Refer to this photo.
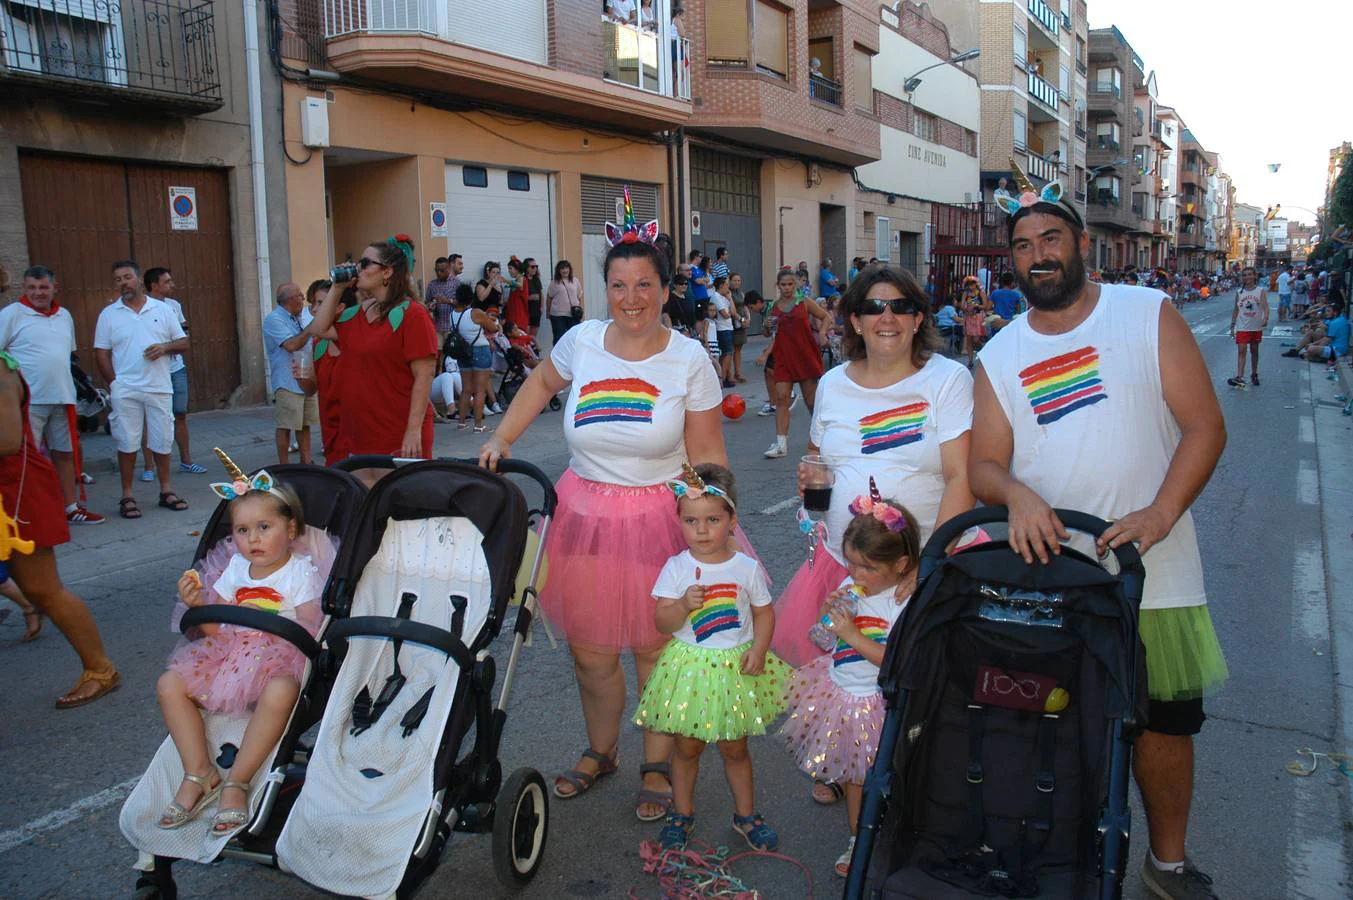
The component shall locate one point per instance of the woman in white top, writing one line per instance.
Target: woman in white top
(725, 321)
(476, 326)
(642, 400)
(898, 412)
(564, 295)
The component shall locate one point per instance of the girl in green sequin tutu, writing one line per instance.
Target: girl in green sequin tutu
(717, 681)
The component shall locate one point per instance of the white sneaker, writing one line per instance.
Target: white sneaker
(775, 451)
(767, 409)
(793, 399)
(497, 409)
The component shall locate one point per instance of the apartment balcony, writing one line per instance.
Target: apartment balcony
(639, 83)
(1193, 177)
(1105, 98)
(1041, 169)
(156, 54)
(1186, 241)
(1048, 20)
(1158, 130)
(824, 90)
(1081, 68)
(1043, 92)
(1106, 210)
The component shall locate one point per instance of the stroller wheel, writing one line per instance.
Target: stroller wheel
(555, 404)
(521, 821)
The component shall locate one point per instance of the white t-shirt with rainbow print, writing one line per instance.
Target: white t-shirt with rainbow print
(625, 422)
(875, 616)
(732, 588)
(279, 593)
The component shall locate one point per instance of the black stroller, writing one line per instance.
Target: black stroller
(1013, 693)
(515, 376)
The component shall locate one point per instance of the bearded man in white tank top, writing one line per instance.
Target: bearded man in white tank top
(1091, 402)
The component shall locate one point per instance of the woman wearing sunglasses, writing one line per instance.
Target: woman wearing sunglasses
(389, 355)
(897, 412)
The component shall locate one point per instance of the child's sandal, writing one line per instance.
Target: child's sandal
(176, 816)
(843, 861)
(827, 792)
(227, 820)
(758, 834)
(676, 832)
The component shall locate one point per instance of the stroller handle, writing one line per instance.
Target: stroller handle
(505, 467)
(271, 623)
(1129, 560)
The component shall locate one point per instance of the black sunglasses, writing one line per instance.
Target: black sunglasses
(364, 263)
(876, 306)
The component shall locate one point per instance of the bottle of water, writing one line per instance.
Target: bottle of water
(821, 633)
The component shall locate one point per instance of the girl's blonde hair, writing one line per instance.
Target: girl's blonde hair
(875, 541)
(288, 506)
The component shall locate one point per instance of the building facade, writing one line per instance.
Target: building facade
(928, 138)
(1194, 217)
(1114, 219)
(1246, 222)
(143, 108)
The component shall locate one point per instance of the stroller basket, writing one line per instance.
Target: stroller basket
(1012, 692)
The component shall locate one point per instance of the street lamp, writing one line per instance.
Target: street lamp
(1100, 170)
(912, 83)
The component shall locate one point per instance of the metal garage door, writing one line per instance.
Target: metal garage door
(494, 214)
(83, 214)
(726, 191)
(602, 203)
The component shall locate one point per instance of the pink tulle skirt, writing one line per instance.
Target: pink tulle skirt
(831, 733)
(800, 606)
(606, 545)
(226, 672)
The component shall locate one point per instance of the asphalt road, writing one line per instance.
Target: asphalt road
(1274, 575)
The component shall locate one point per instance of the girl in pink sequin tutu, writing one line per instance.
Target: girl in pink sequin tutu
(236, 670)
(836, 710)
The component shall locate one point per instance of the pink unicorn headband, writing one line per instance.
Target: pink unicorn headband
(627, 232)
(690, 484)
(1030, 196)
(874, 505)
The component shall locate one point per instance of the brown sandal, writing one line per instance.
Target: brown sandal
(32, 625)
(127, 508)
(582, 782)
(108, 680)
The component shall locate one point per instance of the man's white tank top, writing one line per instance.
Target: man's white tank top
(1091, 428)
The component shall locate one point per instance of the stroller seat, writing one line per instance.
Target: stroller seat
(386, 716)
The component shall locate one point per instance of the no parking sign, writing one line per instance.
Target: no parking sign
(182, 209)
(437, 218)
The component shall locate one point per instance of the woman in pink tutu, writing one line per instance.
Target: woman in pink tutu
(896, 412)
(835, 707)
(642, 400)
(234, 670)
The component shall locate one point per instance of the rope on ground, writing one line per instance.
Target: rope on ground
(1340, 761)
(701, 872)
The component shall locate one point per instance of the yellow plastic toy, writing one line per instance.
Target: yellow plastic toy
(9, 536)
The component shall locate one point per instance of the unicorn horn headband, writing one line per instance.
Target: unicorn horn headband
(241, 484)
(874, 505)
(691, 485)
(1029, 196)
(627, 232)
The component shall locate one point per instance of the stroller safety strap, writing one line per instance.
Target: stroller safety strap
(365, 712)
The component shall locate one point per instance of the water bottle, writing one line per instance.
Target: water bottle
(821, 633)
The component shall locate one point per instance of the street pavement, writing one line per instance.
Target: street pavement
(1273, 525)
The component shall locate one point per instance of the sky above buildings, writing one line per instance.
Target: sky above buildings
(1260, 83)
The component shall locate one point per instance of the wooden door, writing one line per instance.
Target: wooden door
(83, 214)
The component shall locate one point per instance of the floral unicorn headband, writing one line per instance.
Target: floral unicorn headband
(241, 484)
(1029, 196)
(627, 232)
(874, 505)
(691, 485)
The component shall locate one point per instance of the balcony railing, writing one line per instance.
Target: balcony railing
(163, 50)
(1038, 167)
(1104, 142)
(1157, 130)
(1106, 197)
(824, 89)
(1080, 130)
(1081, 67)
(630, 56)
(1080, 196)
(351, 16)
(1106, 87)
(1042, 91)
(1044, 15)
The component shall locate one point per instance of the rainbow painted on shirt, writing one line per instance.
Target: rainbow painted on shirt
(872, 627)
(1061, 385)
(264, 599)
(895, 427)
(615, 400)
(719, 613)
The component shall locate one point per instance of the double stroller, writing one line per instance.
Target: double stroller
(399, 673)
(1013, 693)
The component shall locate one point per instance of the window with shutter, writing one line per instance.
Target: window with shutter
(772, 38)
(727, 32)
(863, 76)
(600, 196)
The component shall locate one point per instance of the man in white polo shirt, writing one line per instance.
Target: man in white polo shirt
(40, 334)
(160, 286)
(132, 342)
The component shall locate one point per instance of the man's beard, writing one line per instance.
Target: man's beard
(1056, 292)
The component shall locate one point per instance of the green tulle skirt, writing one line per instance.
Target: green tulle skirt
(702, 693)
(1183, 658)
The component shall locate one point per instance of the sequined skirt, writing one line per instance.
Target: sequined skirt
(702, 693)
(831, 733)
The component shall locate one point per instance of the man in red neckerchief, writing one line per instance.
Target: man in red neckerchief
(40, 334)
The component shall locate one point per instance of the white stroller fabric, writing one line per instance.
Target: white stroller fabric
(366, 797)
(141, 812)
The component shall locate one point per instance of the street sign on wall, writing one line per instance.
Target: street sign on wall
(182, 209)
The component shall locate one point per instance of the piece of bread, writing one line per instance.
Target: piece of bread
(192, 575)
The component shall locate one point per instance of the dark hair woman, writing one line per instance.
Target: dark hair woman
(794, 355)
(488, 290)
(535, 293)
(517, 310)
(389, 356)
(564, 300)
(642, 400)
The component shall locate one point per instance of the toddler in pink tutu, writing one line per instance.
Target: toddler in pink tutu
(716, 680)
(236, 670)
(836, 708)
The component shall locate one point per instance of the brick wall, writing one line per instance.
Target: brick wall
(919, 25)
(302, 31)
(895, 113)
(575, 36)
